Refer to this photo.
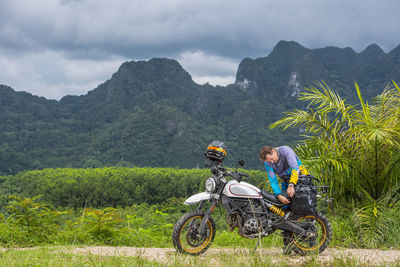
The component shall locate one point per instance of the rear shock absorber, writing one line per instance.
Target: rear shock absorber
(276, 210)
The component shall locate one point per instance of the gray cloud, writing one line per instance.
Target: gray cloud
(197, 33)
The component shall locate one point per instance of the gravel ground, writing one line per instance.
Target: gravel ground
(164, 255)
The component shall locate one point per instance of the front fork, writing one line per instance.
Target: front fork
(207, 215)
(214, 199)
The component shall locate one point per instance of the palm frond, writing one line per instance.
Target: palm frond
(364, 105)
(353, 144)
(312, 122)
(372, 223)
(327, 101)
(355, 149)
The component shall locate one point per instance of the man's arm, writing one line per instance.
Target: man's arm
(273, 180)
(294, 166)
(292, 162)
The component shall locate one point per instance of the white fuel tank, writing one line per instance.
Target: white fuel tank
(242, 189)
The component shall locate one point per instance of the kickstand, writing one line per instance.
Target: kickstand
(258, 242)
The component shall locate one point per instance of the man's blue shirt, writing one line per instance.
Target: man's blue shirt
(288, 161)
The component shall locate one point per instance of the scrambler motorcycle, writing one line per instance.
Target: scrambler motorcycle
(255, 212)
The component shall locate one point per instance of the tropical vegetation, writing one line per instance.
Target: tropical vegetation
(355, 149)
(74, 171)
(122, 207)
(29, 222)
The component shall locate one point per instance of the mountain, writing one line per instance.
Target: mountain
(290, 67)
(151, 113)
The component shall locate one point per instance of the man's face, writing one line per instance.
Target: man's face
(272, 158)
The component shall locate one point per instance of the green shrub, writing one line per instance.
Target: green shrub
(31, 222)
(108, 187)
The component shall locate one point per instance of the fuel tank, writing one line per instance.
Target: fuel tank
(241, 190)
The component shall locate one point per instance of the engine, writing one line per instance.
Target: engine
(252, 223)
(251, 226)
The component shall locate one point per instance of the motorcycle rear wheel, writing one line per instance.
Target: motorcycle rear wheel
(186, 237)
(319, 225)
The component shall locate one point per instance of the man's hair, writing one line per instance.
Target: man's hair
(264, 151)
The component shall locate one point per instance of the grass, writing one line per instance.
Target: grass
(59, 256)
(65, 256)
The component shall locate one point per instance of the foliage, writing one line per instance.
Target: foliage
(67, 256)
(355, 150)
(108, 187)
(151, 113)
(373, 222)
(101, 224)
(33, 219)
(72, 256)
(144, 225)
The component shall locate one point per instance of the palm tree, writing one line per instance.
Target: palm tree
(355, 148)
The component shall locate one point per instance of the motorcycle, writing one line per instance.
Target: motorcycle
(255, 212)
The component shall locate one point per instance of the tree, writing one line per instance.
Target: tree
(355, 148)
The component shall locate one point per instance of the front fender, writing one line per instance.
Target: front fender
(197, 198)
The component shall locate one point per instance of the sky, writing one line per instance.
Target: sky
(54, 48)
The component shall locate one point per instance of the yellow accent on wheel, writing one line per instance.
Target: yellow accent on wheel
(202, 245)
(324, 233)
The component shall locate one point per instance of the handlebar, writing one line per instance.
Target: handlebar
(245, 175)
(236, 175)
(218, 170)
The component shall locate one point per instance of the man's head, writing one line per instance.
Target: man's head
(269, 154)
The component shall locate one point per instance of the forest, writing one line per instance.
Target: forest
(152, 114)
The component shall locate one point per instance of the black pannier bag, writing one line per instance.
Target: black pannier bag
(304, 201)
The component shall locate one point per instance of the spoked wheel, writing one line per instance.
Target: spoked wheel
(316, 238)
(186, 236)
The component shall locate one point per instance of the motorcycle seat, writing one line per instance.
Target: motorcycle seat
(271, 197)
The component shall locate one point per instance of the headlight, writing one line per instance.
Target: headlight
(210, 185)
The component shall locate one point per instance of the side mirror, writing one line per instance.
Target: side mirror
(241, 162)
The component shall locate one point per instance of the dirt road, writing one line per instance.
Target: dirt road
(166, 255)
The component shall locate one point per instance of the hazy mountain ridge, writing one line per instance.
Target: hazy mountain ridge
(339, 68)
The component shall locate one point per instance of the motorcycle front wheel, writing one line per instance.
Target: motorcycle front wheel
(321, 234)
(186, 236)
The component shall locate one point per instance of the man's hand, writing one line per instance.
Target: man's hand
(290, 190)
(283, 199)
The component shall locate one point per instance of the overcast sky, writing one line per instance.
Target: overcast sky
(53, 48)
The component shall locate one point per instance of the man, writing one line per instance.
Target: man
(282, 161)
